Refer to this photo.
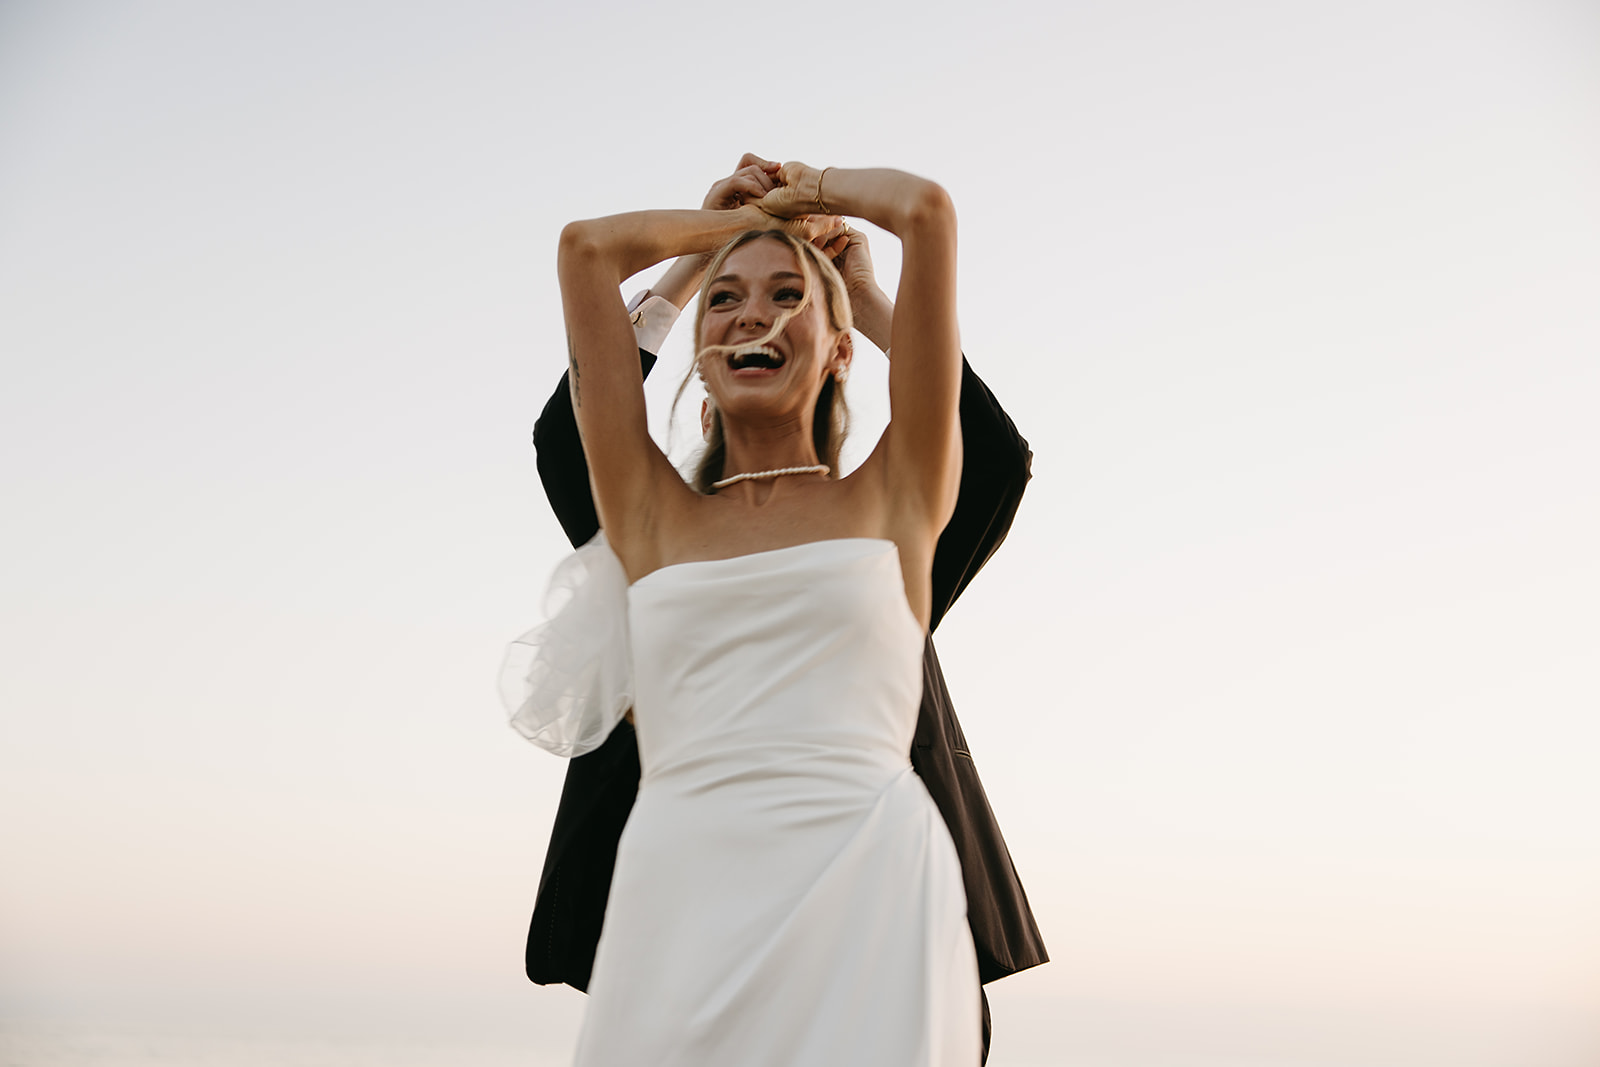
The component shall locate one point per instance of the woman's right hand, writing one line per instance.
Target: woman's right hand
(751, 180)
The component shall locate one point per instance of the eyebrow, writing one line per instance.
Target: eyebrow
(775, 275)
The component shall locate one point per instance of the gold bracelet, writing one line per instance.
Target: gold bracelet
(820, 202)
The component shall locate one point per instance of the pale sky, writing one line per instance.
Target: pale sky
(1284, 687)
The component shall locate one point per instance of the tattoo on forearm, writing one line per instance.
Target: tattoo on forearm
(572, 372)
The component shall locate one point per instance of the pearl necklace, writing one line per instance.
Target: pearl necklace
(820, 468)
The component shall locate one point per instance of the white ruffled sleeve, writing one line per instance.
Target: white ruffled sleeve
(568, 682)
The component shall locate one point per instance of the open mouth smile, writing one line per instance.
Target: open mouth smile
(756, 359)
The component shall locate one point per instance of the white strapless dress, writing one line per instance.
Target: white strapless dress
(785, 890)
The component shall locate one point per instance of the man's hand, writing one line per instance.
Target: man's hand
(869, 305)
(847, 247)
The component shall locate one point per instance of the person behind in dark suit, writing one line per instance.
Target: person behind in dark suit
(599, 789)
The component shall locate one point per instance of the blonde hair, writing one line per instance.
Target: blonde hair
(830, 419)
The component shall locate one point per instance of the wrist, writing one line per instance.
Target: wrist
(870, 300)
(874, 316)
(681, 280)
(822, 205)
(751, 217)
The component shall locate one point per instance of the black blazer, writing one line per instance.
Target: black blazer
(600, 786)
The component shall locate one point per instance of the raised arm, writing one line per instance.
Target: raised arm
(919, 456)
(628, 472)
(995, 460)
(563, 471)
(562, 467)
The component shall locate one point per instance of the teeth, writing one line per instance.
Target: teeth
(762, 355)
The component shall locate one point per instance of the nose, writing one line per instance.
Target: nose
(754, 314)
(758, 311)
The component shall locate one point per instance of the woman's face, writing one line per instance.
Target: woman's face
(758, 282)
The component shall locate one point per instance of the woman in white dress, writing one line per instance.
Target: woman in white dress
(785, 891)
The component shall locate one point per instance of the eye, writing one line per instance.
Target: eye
(720, 297)
(788, 293)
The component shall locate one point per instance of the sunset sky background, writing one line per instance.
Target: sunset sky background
(1284, 686)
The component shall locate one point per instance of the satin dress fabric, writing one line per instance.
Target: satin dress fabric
(786, 892)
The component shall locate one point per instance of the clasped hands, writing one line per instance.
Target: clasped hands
(789, 196)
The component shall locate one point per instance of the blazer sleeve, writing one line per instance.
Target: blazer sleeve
(995, 467)
(562, 466)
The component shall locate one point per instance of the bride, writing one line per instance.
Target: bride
(785, 890)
